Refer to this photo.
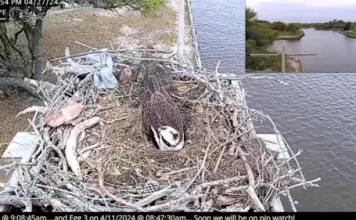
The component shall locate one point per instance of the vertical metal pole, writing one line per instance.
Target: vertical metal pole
(180, 40)
(283, 59)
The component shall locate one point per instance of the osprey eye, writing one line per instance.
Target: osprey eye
(175, 136)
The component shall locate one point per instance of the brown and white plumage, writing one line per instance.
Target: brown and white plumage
(162, 120)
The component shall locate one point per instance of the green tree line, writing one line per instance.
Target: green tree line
(259, 35)
(333, 25)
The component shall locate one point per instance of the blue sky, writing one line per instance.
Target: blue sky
(304, 10)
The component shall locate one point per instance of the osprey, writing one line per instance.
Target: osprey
(161, 117)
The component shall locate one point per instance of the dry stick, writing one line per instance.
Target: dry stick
(154, 196)
(290, 173)
(13, 200)
(201, 80)
(178, 171)
(292, 203)
(231, 139)
(311, 182)
(63, 142)
(117, 199)
(152, 59)
(200, 169)
(115, 120)
(174, 204)
(40, 109)
(250, 190)
(198, 102)
(99, 51)
(218, 81)
(93, 48)
(200, 187)
(57, 189)
(291, 158)
(14, 164)
(94, 146)
(70, 150)
(219, 159)
(59, 152)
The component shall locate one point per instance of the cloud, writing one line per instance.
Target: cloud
(303, 11)
(308, 3)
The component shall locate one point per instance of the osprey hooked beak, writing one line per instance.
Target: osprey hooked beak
(168, 138)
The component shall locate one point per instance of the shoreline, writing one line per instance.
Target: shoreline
(346, 34)
(338, 31)
(291, 37)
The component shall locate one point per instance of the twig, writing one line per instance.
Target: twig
(154, 196)
(231, 139)
(117, 199)
(200, 187)
(200, 169)
(40, 109)
(308, 183)
(15, 164)
(84, 150)
(174, 204)
(115, 120)
(178, 171)
(220, 156)
(250, 190)
(92, 48)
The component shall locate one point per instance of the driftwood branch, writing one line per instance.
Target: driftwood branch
(70, 150)
(31, 109)
(250, 190)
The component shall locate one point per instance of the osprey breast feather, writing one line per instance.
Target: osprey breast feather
(162, 120)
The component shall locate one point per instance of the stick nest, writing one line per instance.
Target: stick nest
(101, 160)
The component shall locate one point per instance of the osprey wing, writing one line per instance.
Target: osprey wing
(158, 107)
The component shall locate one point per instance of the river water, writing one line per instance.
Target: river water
(336, 53)
(315, 112)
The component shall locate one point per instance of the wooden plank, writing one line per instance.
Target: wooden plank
(20, 144)
(283, 59)
(277, 205)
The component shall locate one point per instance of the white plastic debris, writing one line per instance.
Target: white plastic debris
(99, 63)
(104, 78)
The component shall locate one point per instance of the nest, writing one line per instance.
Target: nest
(100, 159)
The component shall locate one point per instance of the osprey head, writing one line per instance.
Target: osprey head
(168, 138)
